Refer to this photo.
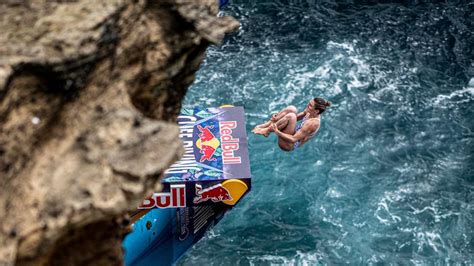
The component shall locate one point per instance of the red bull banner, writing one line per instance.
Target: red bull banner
(212, 176)
(215, 166)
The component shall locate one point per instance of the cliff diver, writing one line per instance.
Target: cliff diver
(284, 124)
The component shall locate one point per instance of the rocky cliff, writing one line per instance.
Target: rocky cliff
(89, 91)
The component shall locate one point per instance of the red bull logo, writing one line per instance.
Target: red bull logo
(207, 152)
(216, 193)
(176, 198)
(229, 143)
(207, 143)
(206, 134)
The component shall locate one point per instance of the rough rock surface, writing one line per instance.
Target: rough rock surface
(89, 91)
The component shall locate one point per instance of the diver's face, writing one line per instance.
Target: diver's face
(310, 106)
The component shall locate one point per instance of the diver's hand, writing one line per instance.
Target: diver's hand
(275, 129)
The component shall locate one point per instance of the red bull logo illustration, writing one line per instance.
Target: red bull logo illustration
(207, 143)
(229, 143)
(207, 152)
(206, 134)
(216, 193)
(176, 198)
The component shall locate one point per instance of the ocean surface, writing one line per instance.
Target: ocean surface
(389, 177)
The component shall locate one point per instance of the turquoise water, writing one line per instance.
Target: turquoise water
(389, 177)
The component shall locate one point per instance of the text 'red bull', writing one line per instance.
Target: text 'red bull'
(229, 144)
(216, 193)
(176, 198)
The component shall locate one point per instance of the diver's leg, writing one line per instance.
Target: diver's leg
(290, 128)
(285, 124)
(288, 110)
(277, 116)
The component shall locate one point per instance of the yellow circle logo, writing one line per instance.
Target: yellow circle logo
(236, 188)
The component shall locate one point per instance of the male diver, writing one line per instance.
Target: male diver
(292, 135)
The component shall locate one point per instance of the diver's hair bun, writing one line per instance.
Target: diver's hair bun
(321, 104)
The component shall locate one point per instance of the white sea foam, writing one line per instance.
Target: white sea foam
(431, 239)
(301, 258)
(346, 46)
(318, 163)
(471, 83)
(383, 213)
(333, 193)
(463, 95)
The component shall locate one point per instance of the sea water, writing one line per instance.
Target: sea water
(389, 177)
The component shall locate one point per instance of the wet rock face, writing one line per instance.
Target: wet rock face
(89, 91)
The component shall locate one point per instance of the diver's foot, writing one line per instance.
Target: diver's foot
(261, 131)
